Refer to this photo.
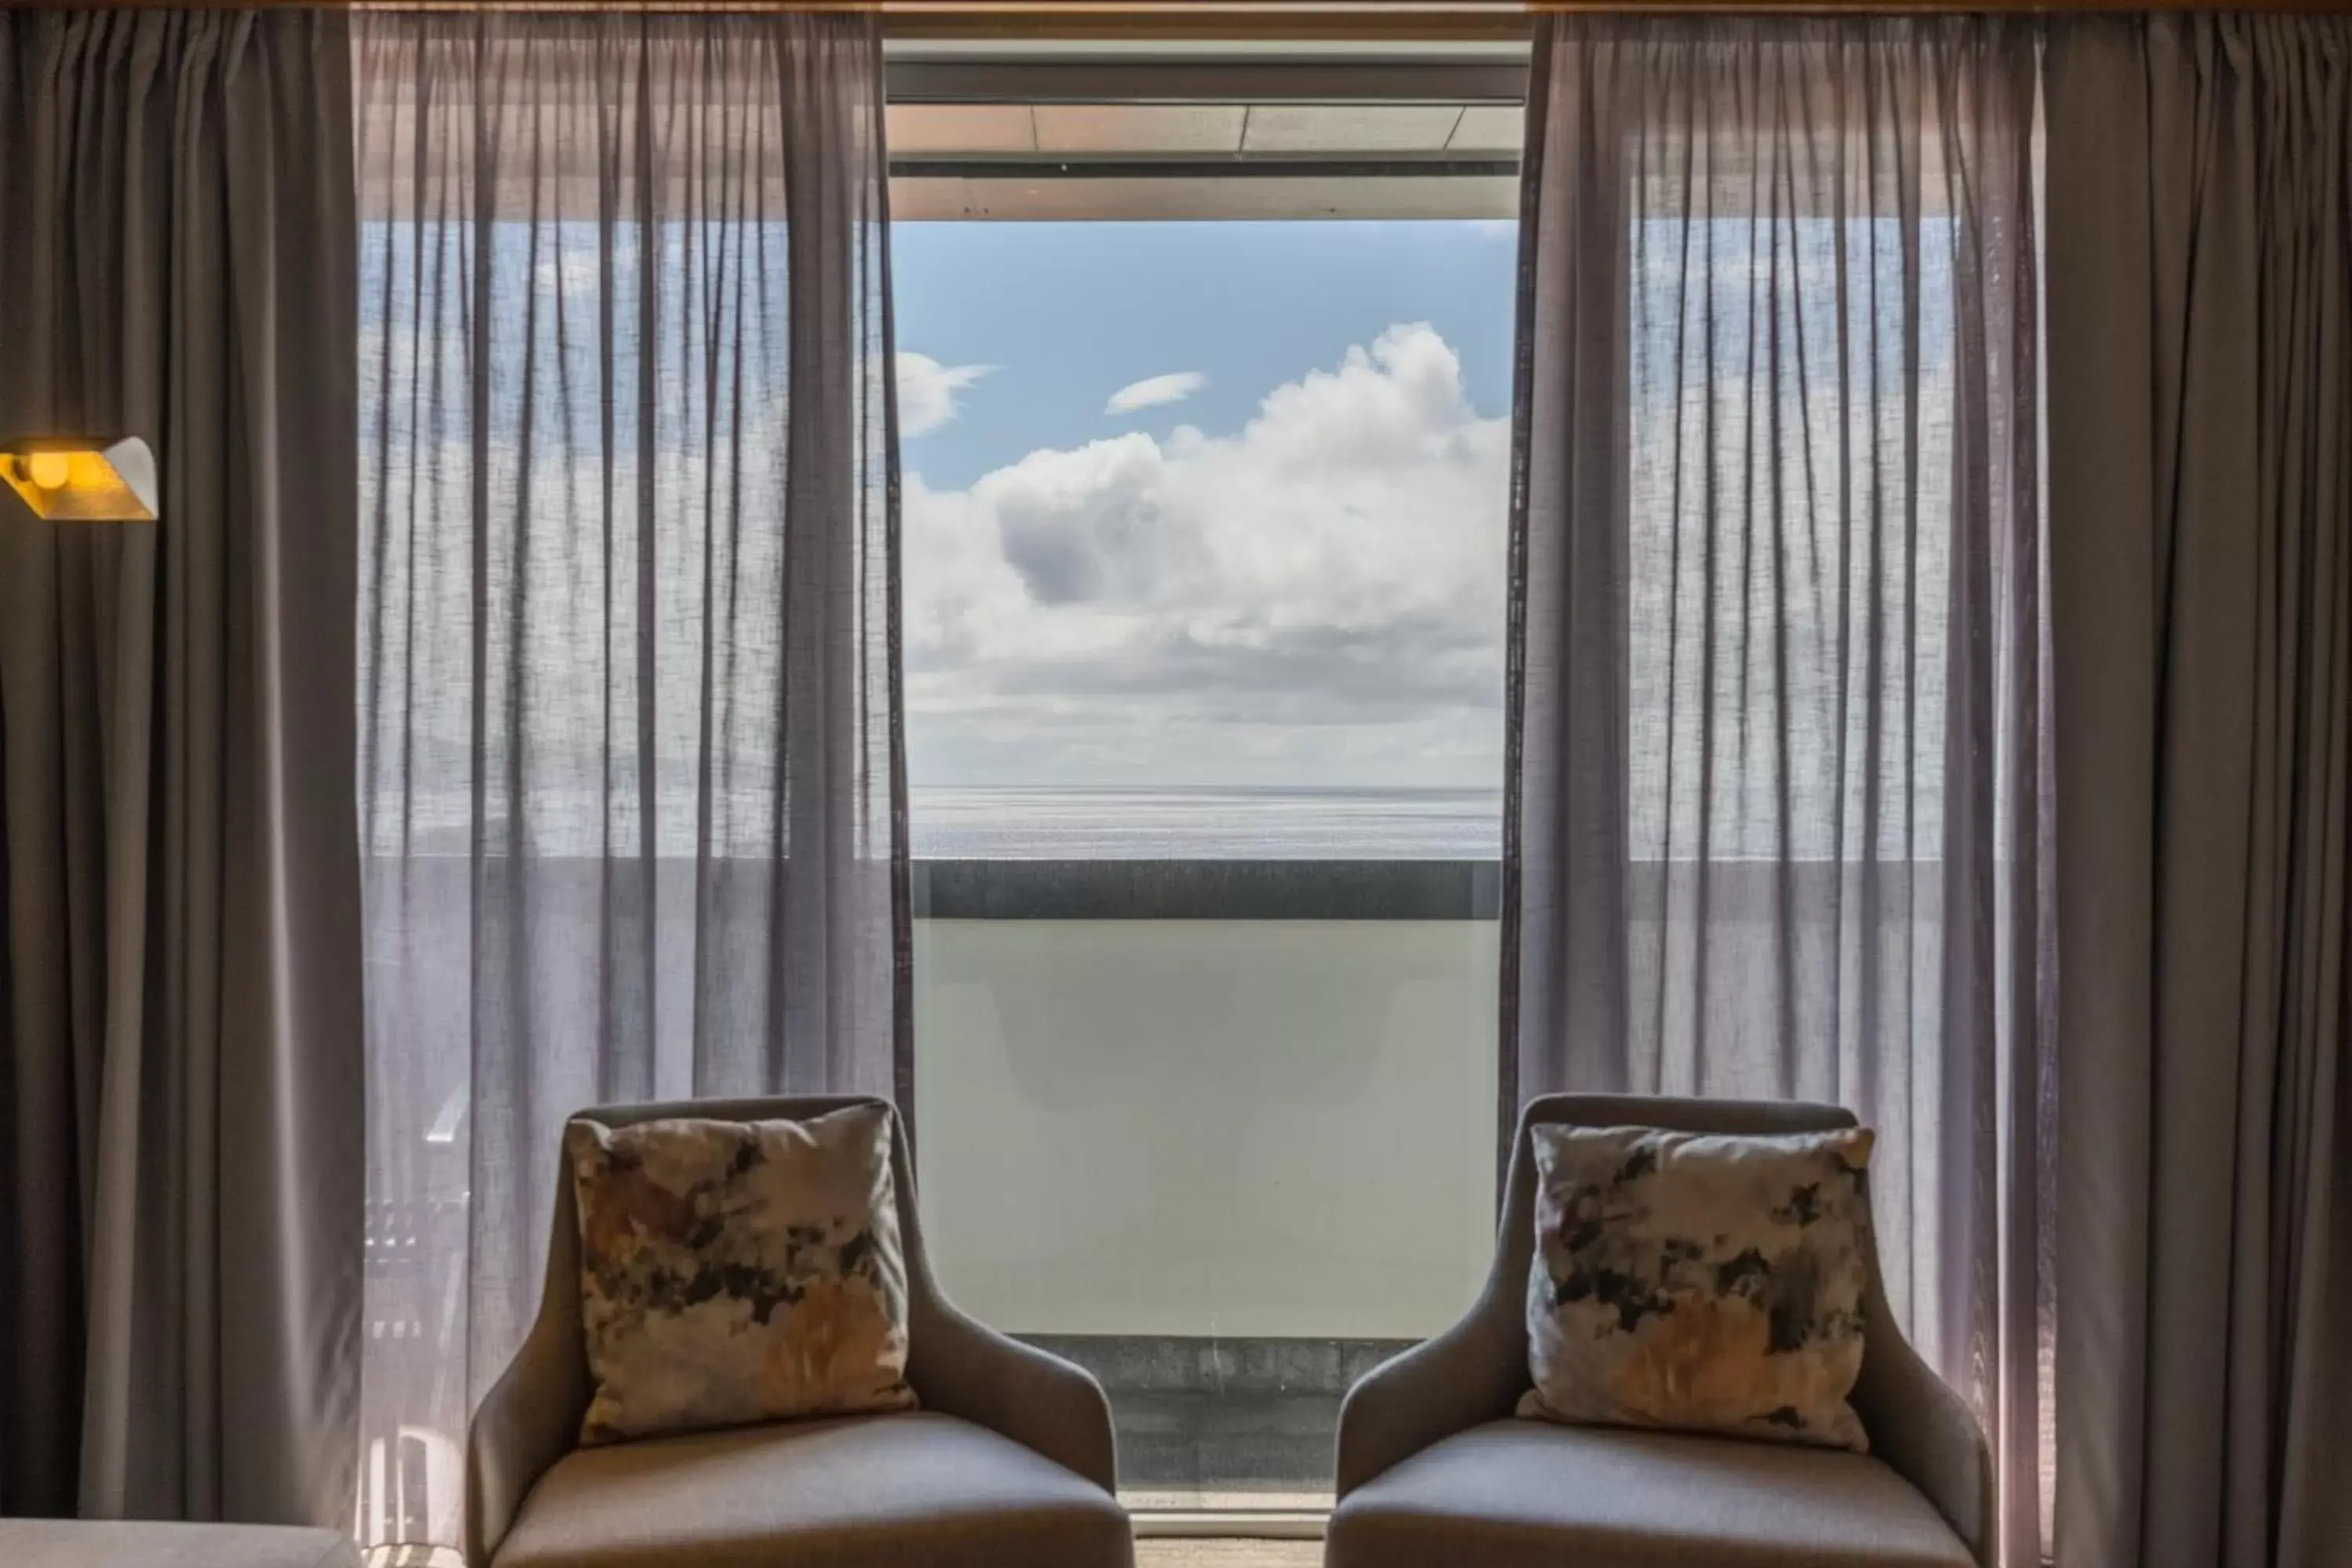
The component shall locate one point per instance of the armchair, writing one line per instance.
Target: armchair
(1009, 1460)
(1433, 1466)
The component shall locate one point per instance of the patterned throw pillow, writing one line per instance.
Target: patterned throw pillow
(733, 1272)
(1708, 1284)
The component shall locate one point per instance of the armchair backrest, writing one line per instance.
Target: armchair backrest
(1503, 1302)
(559, 1299)
(531, 1417)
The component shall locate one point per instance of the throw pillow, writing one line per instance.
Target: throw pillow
(735, 1272)
(1703, 1283)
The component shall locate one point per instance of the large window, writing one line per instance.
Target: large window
(1205, 611)
(1204, 419)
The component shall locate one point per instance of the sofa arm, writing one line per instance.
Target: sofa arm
(962, 1368)
(1928, 1435)
(530, 1419)
(1473, 1373)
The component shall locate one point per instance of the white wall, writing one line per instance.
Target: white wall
(1238, 1128)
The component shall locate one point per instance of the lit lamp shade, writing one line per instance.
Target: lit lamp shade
(82, 478)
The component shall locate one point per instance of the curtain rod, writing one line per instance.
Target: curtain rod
(1264, 20)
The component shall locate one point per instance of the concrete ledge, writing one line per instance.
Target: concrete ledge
(1125, 1363)
(1237, 1420)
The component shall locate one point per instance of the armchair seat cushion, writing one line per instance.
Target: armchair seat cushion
(913, 1491)
(1515, 1494)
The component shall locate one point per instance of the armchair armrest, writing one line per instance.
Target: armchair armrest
(1475, 1371)
(962, 1368)
(530, 1419)
(1928, 1435)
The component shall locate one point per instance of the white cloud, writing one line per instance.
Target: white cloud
(1316, 597)
(1154, 390)
(927, 391)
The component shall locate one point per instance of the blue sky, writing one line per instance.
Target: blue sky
(1289, 571)
(1293, 573)
(1068, 313)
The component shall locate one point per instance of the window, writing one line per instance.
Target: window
(1205, 408)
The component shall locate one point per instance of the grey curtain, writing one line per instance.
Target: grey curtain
(2200, 485)
(180, 1102)
(1777, 811)
(630, 756)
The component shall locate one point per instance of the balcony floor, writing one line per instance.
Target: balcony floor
(1228, 1553)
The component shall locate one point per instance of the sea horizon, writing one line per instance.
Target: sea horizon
(1203, 822)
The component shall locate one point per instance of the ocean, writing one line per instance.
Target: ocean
(1204, 823)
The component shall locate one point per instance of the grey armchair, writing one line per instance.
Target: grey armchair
(1433, 1467)
(1008, 1463)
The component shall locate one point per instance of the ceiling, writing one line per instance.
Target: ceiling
(1253, 133)
(988, 131)
(1079, 198)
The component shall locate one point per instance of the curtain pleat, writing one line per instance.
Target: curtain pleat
(1777, 817)
(631, 764)
(2200, 439)
(179, 1103)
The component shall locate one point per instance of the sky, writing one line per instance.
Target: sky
(1204, 503)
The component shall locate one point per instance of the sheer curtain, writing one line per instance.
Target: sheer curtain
(1777, 819)
(630, 763)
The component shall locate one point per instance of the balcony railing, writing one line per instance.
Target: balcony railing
(1221, 1130)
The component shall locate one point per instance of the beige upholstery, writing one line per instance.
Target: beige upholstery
(1391, 1510)
(92, 1543)
(1513, 1492)
(871, 1491)
(1010, 1461)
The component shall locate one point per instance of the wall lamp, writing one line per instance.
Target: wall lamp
(82, 478)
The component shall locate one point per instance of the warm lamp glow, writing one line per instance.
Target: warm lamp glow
(82, 478)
